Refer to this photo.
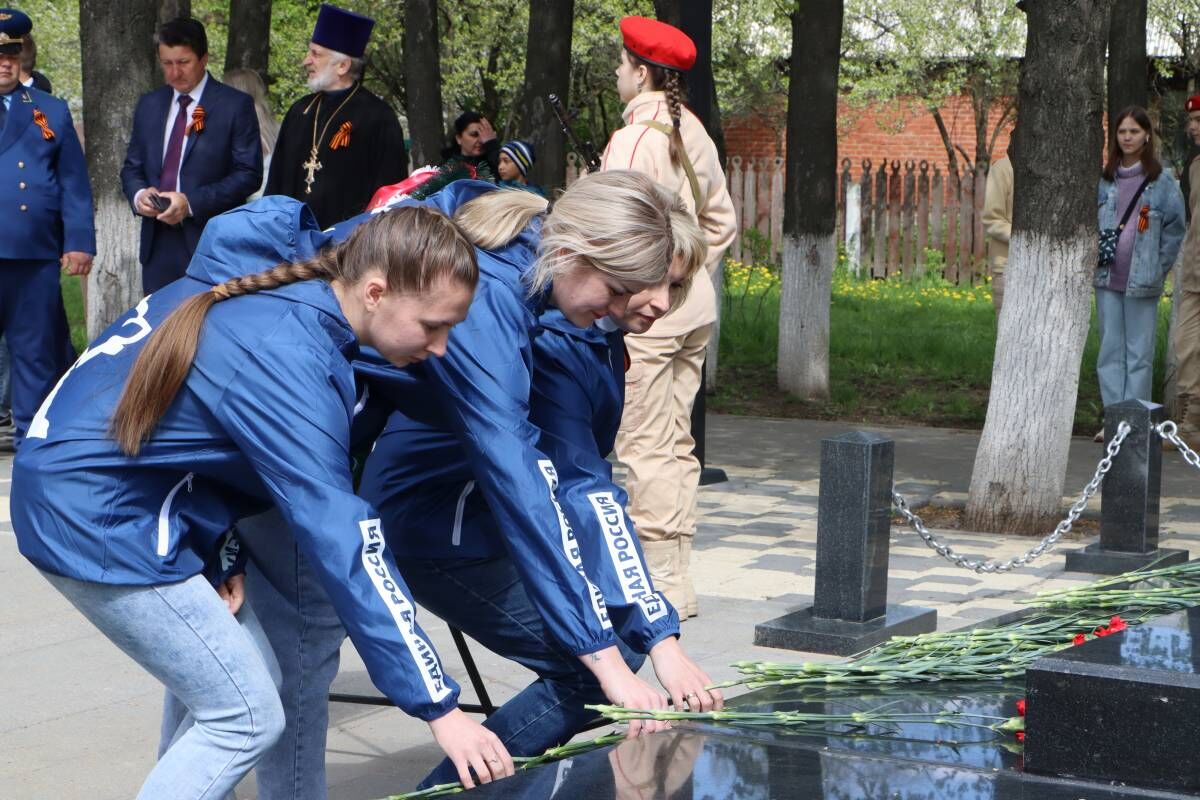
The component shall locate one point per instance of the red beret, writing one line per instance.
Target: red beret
(658, 43)
(1193, 103)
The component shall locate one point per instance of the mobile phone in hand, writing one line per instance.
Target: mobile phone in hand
(159, 202)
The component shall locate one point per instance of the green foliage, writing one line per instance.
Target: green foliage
(929, 50)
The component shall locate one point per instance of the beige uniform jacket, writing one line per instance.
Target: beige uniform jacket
(643, 149)
(997, 211)
(1190, 268)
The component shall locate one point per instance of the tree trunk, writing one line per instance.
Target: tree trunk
(1020, 467)
(115, 74)
(423, 81)
(670, 12)
(249, 43)
(695, 19)
(548, 71)
(1127, 64)
(810, 199)
(170, 9)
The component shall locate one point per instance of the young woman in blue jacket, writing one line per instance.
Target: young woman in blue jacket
(215, 397)
(1127, 289)
(471, 449)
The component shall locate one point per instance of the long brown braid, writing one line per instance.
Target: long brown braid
(669, 82)
(674, 91)
(413, 245)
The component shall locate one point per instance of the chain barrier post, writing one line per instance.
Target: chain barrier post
(850, 611)
(1129, 498)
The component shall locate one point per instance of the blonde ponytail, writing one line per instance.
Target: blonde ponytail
(494, 219)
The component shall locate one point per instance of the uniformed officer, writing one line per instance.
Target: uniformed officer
(46, 205)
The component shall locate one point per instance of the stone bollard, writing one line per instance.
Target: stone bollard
(1129, 498)
(850, 611)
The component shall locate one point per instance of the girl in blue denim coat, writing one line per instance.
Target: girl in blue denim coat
(1128, 287)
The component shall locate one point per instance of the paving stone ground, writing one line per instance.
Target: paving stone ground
(78, 719)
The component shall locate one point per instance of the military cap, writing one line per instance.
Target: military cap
(13, 25)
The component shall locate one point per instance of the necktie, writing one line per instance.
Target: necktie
(3, 113)
(170, 168)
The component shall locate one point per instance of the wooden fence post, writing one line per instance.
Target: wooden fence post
(922, 218)
(734, 179)
(966, 265)
(879, 269)
(908, 219)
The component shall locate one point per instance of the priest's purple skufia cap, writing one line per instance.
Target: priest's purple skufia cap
(342, 30)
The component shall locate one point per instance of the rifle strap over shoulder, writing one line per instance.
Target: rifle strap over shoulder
(664, 128)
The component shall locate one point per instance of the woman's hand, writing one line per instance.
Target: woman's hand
(486, 132)
(470, 746)
(623, 688)
(683, 679)
(233, 592)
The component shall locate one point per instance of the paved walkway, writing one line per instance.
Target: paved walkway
(78, 719)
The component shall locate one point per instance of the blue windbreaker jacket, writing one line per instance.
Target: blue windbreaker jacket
(264, 417)
(460, 456)
(577, 400)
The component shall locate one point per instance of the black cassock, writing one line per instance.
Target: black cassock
(350, 171)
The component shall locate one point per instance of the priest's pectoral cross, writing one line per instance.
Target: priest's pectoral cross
(312, 165)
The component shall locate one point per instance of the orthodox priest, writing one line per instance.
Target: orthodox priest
(339, 144)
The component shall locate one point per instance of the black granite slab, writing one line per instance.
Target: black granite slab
(1129, 498)
(908, 761)
(693, 765)
(1124, 707)
(854, 512)
(803, 630)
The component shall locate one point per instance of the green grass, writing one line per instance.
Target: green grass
(900, 351)
(73, 299)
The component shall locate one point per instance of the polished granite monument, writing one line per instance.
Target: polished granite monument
(920, 760)
(850, 611)
(1125, 707)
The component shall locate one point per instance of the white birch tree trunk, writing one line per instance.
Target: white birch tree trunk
(808, 260)
(1020, 467)
(115, 282)
(121, 64)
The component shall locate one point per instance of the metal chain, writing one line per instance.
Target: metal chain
(989, 566)
(1170, 431)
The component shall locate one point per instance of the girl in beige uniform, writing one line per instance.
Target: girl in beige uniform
(666, 141)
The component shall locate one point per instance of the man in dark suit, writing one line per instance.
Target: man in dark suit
(46, 208)
(194, 153)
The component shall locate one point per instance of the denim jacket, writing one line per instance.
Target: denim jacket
(1156, 247)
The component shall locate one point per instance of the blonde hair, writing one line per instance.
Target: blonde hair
(250, 82)
(414, 246)
(690, 246)
(618, 222)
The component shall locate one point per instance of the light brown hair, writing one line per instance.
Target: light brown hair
(414, 247)
(618, 222)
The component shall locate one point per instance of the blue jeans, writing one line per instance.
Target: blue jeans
(484, 598)
(1128, 334)
(184, 635)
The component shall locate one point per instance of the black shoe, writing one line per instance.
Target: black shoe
(6, 421)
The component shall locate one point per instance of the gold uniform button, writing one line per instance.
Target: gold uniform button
(24, 207)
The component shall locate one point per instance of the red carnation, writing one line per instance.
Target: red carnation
(1021, 707)
(1020, 736)
(1116, 624)
(1079, 639)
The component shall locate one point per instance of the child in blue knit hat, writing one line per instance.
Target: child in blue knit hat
(516, 159)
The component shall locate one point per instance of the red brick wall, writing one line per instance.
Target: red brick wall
(900, 129)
